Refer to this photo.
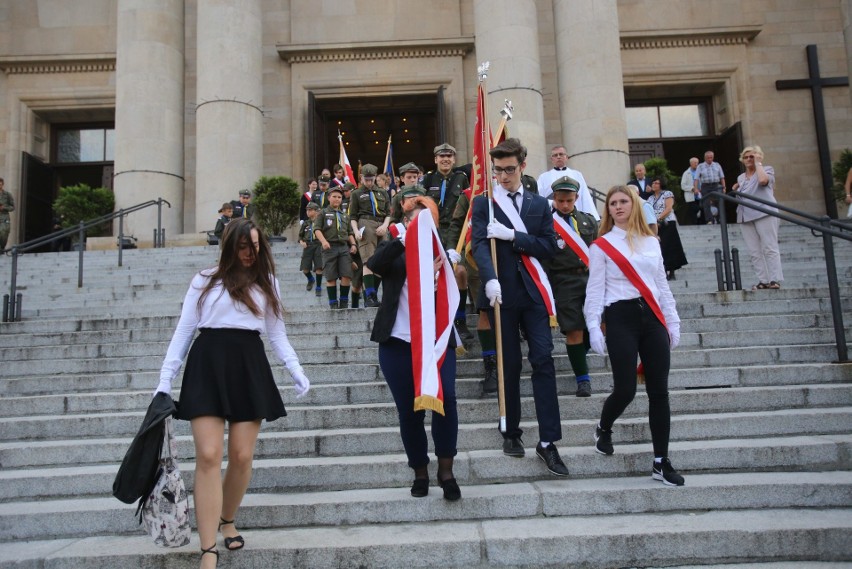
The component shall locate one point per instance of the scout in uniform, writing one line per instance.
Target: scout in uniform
(227, 210)
(311, 249)
(445, 185)
(409, 175)
(320, 196)
(369, 214)
(568, 272)
(243, 207)
(338, 242)
(7, 204)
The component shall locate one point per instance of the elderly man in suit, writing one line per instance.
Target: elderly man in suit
(524, 234)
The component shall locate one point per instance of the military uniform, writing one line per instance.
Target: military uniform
(445, 190)
(8, 204)
(335, 227)
(240, 211)
(369, 208)
(312, 253)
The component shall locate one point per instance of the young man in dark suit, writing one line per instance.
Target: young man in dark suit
(514, 286)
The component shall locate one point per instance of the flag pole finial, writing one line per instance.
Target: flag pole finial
(482, 70)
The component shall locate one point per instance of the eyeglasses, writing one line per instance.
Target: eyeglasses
(507, 170)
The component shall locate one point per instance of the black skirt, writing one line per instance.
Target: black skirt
(227, 375)
(671, 247)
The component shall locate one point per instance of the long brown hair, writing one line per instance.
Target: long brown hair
(237, 279)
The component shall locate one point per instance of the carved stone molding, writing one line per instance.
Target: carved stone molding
(407, 49)
(32, 64)
(661, 39)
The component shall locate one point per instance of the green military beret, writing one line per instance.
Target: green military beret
(410, 167)
(411, 191)
(348, 186)
(565, 184)
(312, 205)
(337, 189)
(445, 148)
(368, 170)
(324, 179)
(245, 193)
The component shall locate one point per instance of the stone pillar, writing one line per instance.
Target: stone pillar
(591, 90)
(229, 116)
(149, 118)
(846, 9)
(507, 36)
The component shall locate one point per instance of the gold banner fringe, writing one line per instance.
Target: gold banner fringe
(425, 402)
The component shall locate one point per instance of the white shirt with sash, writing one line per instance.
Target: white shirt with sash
(584, 203)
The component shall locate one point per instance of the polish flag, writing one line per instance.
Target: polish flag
(348, 174)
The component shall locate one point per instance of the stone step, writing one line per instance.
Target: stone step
(605, 541)
(787, 453)
(57, 519)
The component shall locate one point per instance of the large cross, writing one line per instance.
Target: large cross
(815, 83)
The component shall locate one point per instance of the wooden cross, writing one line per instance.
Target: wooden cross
(815, 83)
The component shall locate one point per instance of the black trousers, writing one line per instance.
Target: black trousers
(631, 329)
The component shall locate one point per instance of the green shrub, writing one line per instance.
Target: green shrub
(277, 200)
(83, 203)
(839, 172)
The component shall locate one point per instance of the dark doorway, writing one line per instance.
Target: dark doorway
(415, 123)
(38, 190)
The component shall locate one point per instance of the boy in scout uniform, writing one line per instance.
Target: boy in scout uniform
(409, 174)
(568, 276)
(320, 196)
(369, 214)
(311, 249)
(7, 204)
(444, 185)
(335, 234)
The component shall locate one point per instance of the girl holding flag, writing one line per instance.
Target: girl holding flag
(414, 329)
(627, 284)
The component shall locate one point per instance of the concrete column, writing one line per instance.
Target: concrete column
(149, 118)
(229, 117)
(846, 9)
(591, 90)
(507, 36)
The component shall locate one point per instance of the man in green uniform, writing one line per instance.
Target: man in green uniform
(568, 274)
(338, 243)
(444, 185)
(369, 214)
(409, 174)
(7, 204)
(311, 249)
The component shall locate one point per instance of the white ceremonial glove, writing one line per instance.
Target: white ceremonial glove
(497, 230)
(300, 383)
(453, 256)
(301, 222)
(165, 386)
(493, 292)
(361, 234)
(674, 335)
(596, 339)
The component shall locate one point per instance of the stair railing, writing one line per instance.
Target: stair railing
(12, 302)
(828, 228)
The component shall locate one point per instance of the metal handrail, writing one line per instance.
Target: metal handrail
(12, 301)
(597, 195)
(824, 225)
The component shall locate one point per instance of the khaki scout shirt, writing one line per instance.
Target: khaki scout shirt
(369, 204)
(334, 225)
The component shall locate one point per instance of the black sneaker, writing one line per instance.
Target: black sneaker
(372, 301)
(584, 389)
(603, 441)
(514, 447)
(551, 458)
(319, 292)
(665, 473)
(309, 286)
(333, 305)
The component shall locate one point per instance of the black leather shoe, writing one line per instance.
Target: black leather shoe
(372, 301)
(451, 489)
(513, 446)
(489, 384)
(551, 458)
(584, 389)
(420, 487)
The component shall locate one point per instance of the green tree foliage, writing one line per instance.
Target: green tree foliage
(83, 203)
(839, 172)
(277, 200)
(659, 167)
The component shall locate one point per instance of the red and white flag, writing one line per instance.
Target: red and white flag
(348, 174)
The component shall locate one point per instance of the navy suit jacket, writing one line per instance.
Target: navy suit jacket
(516, 284)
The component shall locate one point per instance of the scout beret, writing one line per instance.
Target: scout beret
(245, 193)
(410, 167)
(444, 148)
(226, 205)
(337, 189)
(411, 191)
(348, 186)
(565, 184)
(324, 179)
(312, 205)
(369, 170)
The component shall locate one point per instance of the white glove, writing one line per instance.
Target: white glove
(301, 383)
(596, 339)
(301, 222)
(165, 386)
(361, 234)
(497, 230)
(453, 256)
(674, 335)
(493, 292)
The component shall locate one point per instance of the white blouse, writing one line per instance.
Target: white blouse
(607, 284)
(219, 310)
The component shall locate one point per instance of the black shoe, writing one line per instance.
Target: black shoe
(551, 458)
(212, 549)
(584, 389)
(489, 384)
(343, 304)
(513, 446)
(238, 539)
(420, 487)
(372, 301)
(463, 330)
(309, 286)
(603, 441)
(333, 305)
(319, 292)
(451, 489)
(665, 473)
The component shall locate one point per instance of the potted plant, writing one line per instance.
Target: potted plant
(276, 201)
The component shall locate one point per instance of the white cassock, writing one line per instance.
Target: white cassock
(584, 203)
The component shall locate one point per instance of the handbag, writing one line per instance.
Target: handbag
(165, 511)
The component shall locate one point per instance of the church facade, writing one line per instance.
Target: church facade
(194, 100)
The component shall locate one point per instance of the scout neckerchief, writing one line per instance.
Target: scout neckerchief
(432, 306)
(571, 236)
(534, 268)
(443, 190)
(372, 201)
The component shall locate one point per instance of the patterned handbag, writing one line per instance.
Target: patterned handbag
(166, 511)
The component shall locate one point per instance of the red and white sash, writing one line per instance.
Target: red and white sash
(533, 266)
(308, 196)
(572, 238)
(432, 303)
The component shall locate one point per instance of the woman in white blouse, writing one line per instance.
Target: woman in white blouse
(632, 325)
(663, 201)
(227, 376)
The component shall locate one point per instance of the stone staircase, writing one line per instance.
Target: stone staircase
(761, 428)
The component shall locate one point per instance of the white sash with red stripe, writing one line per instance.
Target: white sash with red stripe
(432, 302)
(308, 196)
(534, 268)
(572, 238)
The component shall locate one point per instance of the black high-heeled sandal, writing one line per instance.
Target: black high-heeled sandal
(211, 549)
(229, 540)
